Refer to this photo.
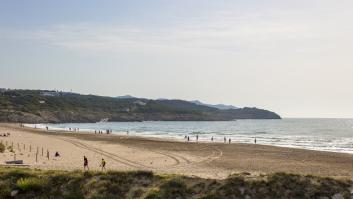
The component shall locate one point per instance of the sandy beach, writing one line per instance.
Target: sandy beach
(208, 160)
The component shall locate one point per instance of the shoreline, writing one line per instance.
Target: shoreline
(176, 139)
(167, 156)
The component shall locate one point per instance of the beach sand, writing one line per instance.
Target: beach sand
(207, 160)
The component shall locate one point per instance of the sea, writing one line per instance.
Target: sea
(335, 135)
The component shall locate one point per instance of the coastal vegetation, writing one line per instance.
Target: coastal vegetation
(27, 183)
(2, 148)
(41, 106)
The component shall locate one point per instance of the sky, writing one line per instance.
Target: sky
(291, 57)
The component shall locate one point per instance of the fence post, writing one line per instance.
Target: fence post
(36, 157)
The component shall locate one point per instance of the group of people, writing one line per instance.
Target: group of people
(197, 139)
(224, 139)
(74, 129)
(108, 131)
(85, 164)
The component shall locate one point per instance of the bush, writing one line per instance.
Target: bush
(2, 148)
(31, 184)
(174, 188)
(4, 189)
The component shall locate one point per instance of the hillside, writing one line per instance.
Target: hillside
(25, 183)
(218, 106)
(39, 106)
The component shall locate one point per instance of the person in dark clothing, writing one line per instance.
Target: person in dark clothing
(103, 164)
(85, 163)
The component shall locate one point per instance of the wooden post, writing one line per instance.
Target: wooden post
(36, 157)
(48, 154)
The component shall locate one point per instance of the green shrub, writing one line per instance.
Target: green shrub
(153, 194)
(2, 148)
(4, 189)
(174, 188)
(31, 184)
(15, 174)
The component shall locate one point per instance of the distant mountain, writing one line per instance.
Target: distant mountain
(217, 106)
(38, 106)
(126, 97)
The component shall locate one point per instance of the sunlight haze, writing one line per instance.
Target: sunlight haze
(291, 57)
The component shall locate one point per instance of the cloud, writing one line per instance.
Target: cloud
(225, 32)
(221, 31)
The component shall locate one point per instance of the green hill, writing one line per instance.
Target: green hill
(41, 106)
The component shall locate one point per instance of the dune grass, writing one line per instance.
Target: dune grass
(29, 183)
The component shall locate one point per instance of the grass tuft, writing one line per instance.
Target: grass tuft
(31, 184)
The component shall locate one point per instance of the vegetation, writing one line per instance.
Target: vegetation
(31, 183)
(39, 106)
(2, 148)
(26, 183)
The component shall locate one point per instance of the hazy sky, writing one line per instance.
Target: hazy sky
(292, 57)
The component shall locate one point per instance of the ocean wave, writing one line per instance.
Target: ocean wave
(306, 134)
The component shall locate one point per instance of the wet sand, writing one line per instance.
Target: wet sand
(208, 160)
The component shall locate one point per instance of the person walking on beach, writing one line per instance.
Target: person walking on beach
(197, 138)
(85, 163)
(230, 140)
(212, 138)
(255, 140)
(225, 139)
(103, 164)
(188, 138)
